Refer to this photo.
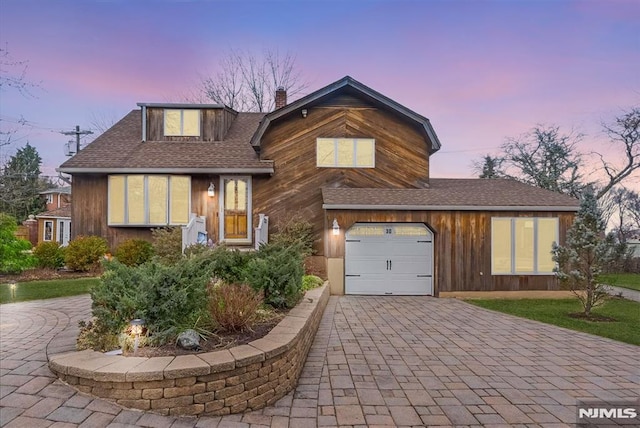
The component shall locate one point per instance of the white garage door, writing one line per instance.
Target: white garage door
(389, 258)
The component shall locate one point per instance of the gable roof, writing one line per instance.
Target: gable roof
(121, 149)
(56, 213)
(348, 83)
(452, 194)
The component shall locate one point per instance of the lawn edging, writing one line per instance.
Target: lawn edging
(246, 377)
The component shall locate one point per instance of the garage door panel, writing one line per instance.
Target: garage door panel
(366, 265)
(367, 248)
(369, 284)
(409, 284)
(414, 265)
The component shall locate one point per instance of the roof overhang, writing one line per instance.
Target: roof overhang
(265, 170)
(342, 83)
(181, 105)
(449, 208)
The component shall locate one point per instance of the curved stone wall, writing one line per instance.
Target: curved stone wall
(245, 377)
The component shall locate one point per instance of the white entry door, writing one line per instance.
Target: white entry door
(64, 232)
(389, 258)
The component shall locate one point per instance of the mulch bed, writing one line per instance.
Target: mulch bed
(46, 274)
(216, 342)
(592, 317)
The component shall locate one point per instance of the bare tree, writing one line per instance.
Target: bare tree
(625, 132)
(102, 121)
(246, 82)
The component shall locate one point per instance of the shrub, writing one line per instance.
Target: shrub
(134, 252)
(167, 244)
(14, 256)
(234, 306)
(277, 270)
(94, 335)
(295, 230)
(311, 281)
(164, 296)
(85, 252)
(49, 255)
(229, 265)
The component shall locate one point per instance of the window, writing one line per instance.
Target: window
(48, 230)
(49, 198)
(523, 245)
(345, 152)
(148, 200)
(182, 123)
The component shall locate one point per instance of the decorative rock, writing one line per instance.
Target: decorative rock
(189, 339)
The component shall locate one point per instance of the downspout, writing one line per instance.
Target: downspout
(144, 123)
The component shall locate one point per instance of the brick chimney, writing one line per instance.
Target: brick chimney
(281, 97)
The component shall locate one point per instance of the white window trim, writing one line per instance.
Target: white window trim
(50, 198)
(147, 223)
(44, 231)
(221, 200)
(513, 249)
(181, 134)
(355, 153)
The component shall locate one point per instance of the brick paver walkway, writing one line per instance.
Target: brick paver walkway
(388, 361)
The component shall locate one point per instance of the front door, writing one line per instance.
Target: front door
(235, 209)
(64, 232)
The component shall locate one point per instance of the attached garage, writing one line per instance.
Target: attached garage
(389, 259)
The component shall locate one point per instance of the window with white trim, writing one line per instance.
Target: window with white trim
(149, 200)
(346, 152)
(181, 122)
(49, 198)
(522, 245)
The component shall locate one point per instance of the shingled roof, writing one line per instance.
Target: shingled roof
(58, 212)
(452, 194)
(121, 149)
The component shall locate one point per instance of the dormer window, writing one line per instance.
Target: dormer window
(181, 123)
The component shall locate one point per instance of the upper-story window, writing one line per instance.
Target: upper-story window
(346, 152)
(49, 198)
(181, 122)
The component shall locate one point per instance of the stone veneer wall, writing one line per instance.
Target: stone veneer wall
(242, 378)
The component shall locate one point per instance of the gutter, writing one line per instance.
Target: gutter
(79, 170)
(449, 207)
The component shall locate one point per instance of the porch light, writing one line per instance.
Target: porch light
(336, 227)
(211, 191)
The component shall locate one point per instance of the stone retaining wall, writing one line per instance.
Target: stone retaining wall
(242, 378)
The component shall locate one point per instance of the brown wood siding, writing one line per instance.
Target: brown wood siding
(462, 245)
(214, 124)
(401, 161)
(89, 217)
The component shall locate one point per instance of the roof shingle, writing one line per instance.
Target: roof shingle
(448, 193)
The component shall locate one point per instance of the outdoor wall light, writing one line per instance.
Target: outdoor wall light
(304, 112)
(336, 227)
(211, 191)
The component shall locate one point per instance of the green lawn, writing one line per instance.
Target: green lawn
(35, 290)
(626, 280)
(554, 311)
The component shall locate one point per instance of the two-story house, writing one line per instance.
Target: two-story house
(352, 161)
(55, 223)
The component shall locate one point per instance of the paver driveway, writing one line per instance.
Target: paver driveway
(396, 361)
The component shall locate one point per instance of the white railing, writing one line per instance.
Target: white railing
(262, 231)
(195, 232)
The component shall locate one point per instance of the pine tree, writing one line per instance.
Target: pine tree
(588, 251)
(20, 184)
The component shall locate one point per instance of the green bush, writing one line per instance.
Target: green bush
(295, 230)
(167, 244)
(14, 256)
(166, 297)
(311, 281)
(85, 253)
(234, 307)
(134, 252)
(277, 270)
(94, 335)
(49, 255)
(229, 265)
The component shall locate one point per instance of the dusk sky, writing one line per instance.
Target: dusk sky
(481, 71)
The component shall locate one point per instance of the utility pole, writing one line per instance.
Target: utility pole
(77, 133)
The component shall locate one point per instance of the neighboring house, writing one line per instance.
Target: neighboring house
(352, 161)
(55, 223)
